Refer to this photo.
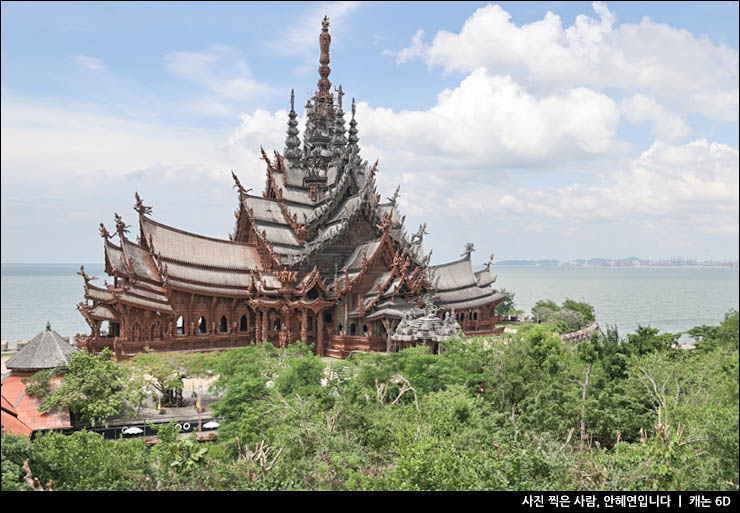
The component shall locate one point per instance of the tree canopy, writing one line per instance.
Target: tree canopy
(93, 388)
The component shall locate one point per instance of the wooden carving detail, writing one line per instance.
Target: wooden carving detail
(490, 261)
(140, 207)
(121, 227)
(85, 277)
(104, 233)
(469, 248)
(287, 278)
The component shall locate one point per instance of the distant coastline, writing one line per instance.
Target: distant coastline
(620, 262)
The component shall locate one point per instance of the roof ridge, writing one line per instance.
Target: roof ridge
(184, 232)
(58, 348)
(463, 259)
(110, 243)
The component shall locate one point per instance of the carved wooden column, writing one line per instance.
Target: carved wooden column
(346, 315)
(257, 326)
(265, 324)
(212, 314)
(254, 328)
(388, 341)
(190, 315)
(249, 324)
(394, 325)
(320, 333)
(123, 331)
(304, 325)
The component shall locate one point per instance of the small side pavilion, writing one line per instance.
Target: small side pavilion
(20, 411)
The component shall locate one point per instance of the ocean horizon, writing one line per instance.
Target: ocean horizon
(671, 299)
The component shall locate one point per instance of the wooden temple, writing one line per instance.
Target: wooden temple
(317, 257)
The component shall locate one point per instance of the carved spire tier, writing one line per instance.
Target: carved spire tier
(324, 70)
(353, 138)
(292, 142)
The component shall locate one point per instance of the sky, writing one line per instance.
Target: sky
(532, 129)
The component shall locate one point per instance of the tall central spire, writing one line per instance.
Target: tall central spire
(323, 136)
(324, 70)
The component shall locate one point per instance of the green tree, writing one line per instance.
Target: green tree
(15, 450)
(567, 320)
(586, 310)
(93, 388)
(507, 305)
(87, 461)
(647, 340)
(710, 337)
(544, 309)
(164, 372)
(39, 385)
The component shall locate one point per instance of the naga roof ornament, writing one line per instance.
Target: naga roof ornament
(140, 207)
(121, 227)
(394, 198)
(103, 232)
(418, 237)
(237, 185)
(469, 248)
(488, 264)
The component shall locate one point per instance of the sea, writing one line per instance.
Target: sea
(671, 299)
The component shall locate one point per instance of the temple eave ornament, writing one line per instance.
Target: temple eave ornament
(140, 207)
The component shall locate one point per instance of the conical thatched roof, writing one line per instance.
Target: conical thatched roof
(46, 350)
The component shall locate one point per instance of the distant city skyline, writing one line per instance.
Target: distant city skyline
(626, 261)
(535, 130)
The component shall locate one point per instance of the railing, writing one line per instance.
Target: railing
(357, 343)
(580, 335)
(172, 343)
(479, 327)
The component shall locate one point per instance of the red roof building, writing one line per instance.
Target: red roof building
(20, 411)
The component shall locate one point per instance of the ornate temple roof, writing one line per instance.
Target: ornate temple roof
(189, 248)
(484, 278)
(457, 287)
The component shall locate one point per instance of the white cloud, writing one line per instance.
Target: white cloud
(228, 80)
(663, 62)
(489, 121)
(45, 141)
(58, 161)
(90, 63)
(414, 51)
(301, 37)
(667, 125)
(691, 187)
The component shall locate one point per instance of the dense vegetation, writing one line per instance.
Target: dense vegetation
(525, 412)
(507, 306)
(571, 316)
